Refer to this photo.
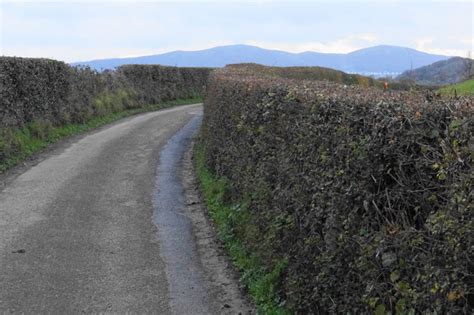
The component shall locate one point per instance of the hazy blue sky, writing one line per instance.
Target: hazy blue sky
(83, 30)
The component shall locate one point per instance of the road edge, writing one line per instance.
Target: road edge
(37, 157)
(219, 269)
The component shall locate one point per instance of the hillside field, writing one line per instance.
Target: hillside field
(465, 88)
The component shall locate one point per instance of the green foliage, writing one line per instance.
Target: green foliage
(231, 220)
(367, 195)
(108, 102)
(40, 129)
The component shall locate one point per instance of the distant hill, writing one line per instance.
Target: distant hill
(443, 72)
(378, 60)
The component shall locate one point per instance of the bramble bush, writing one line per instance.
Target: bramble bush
(366, 194)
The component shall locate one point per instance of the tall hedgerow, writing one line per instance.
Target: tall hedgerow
(366, 194)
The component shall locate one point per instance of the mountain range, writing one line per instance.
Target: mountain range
(377, 60)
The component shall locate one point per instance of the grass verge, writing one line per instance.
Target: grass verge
(35, 137)
(260, 283)
(464, 88)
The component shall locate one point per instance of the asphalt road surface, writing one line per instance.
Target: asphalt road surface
(99, 224)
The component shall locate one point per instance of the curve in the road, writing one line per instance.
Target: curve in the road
(95, 226)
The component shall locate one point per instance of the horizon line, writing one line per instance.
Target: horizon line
(230, 45)
(256, 46)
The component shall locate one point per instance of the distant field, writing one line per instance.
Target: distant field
(463, 88)
(305, 73)
(317, 74)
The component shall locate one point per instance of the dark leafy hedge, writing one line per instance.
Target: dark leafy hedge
(31, 89)
(37, 95)
(174, 83)
(367, 195)
(49, 90)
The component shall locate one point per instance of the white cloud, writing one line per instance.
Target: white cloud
(469, 42)
(72, 53)
(426, 45)
(114, 29)
(342, 45)
(229, 1)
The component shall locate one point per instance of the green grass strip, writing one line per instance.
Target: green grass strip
(30, 144)
(259, 282)
(464, 88)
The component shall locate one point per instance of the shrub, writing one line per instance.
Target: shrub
(49, 90)
(367, 195)
(6, 145)
(40, 129)
(38, 94)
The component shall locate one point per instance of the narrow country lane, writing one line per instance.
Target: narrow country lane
(98, 226)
